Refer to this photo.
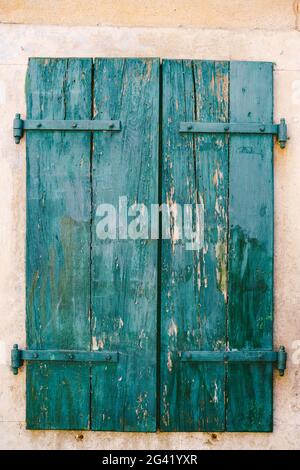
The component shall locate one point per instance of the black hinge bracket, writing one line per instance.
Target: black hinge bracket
(22, 125)
(277, 357)
(18, 356)
(279, 130)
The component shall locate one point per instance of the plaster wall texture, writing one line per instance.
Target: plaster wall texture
(229, 14)
(281, 46)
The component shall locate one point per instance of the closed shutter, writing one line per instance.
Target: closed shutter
(218, 298)
(119, 327)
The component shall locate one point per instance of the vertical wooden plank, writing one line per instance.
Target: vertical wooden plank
(250, 308)
(58, 243)
(124, 272)
(193, 298)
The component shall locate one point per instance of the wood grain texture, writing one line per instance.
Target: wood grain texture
(250, 296)
(87, 293)
(58, 243)
(124, 272)
(193, 297)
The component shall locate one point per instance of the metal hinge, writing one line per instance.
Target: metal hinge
(21, 125)
(279, 130)
(18, 356)
(277, 357)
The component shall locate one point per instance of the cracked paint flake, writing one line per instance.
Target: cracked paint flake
(173, 329)
(169, 362)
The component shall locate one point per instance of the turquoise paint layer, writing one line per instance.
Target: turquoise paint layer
(58, 243)
(250, 295)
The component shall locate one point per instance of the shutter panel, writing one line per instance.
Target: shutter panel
(124, 272)
(84, 293)
(232, 177)
(193, 310)
(250, 308)
(58, 243)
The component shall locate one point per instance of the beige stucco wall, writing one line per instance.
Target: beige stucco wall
(232, 29)
(230, 14)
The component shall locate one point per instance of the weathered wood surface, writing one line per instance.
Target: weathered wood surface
(58, 243)
(250, 296)
(193, 297)
(86, 293)
(124, 272)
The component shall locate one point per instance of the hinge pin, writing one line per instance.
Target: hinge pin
(282, 133)
(281, 360)
(18, 129)
(16, 359)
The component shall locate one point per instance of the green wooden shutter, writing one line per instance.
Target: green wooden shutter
(87, 294)
(220, 297)
(84, 293)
